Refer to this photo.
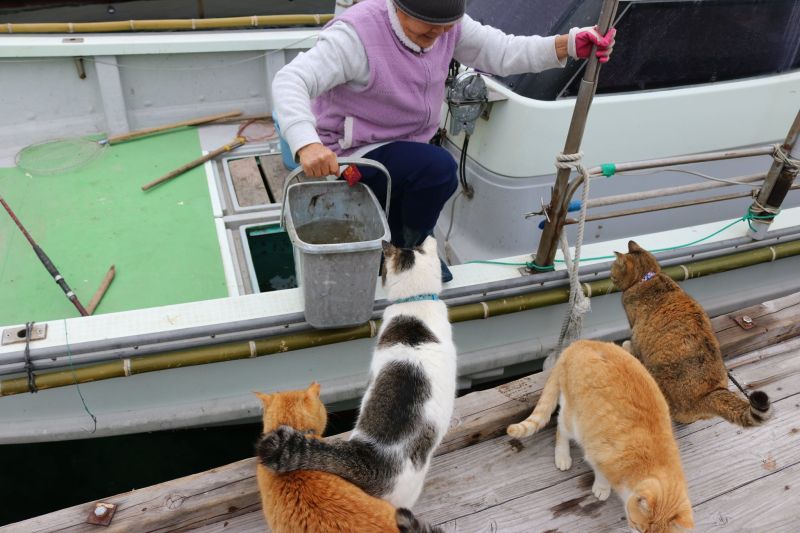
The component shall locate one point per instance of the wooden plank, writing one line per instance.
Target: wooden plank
(775, 321)
(479, 416)
(176, 505)
(502, 460)
(767, 504)
(450, 492)
(247, 182)
(569, 505)
(275, 172)
(247, 523)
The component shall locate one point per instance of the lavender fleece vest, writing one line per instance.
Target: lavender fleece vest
(403, 98)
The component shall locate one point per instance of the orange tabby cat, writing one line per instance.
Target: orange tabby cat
(613, 408)
(313, 501)
(673, 337)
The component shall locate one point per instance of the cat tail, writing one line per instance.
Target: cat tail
(736, 409)
(408, 523)
(547, 403)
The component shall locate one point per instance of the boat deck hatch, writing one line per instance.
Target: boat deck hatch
(269, 257)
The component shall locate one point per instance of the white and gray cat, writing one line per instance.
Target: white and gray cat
(408, 403)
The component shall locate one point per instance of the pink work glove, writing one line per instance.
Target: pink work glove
(581, 40)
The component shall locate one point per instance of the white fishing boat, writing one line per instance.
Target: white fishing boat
(184, 333)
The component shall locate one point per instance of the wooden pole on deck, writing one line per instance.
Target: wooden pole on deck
(557, 210)
(777, 184)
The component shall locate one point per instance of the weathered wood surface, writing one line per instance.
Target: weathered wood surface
(481, 487)
(774, 321)
(247, 182)
(275, 172)
(227, 498)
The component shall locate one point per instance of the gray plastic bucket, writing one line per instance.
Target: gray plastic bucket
(337, 278)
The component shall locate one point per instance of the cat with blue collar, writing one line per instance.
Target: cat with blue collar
(406, 409)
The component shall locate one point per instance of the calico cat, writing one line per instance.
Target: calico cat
(311, 501)
(406, 408)
(673, 337)
(614, 409)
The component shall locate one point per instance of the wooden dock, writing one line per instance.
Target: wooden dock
(481, 480)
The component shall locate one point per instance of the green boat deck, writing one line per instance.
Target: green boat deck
(162, 242)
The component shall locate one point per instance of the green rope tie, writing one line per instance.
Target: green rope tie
(533, 266)
(609, 169)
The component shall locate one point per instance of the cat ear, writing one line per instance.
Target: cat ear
(619, 255)
(644, 504)
(266, 399)
(388, 248)
(313, 390)
(633, 247)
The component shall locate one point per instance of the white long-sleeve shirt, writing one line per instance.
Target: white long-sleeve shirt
(339, 57)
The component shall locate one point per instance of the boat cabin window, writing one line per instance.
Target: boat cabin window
(662, 44)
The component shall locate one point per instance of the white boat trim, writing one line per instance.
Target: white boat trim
(614, 135)
(92, 44)
(210, 313)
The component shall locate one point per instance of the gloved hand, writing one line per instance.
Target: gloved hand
(581, 40)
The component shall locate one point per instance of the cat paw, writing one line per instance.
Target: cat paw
(277, 450)
(627, 346)
(601, 490)
(563, 460)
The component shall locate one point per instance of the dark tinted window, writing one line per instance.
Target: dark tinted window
(537, 17)
(669, 44)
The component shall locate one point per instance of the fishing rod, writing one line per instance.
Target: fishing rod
(48, 264)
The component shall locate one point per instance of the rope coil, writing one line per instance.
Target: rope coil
(789, 163)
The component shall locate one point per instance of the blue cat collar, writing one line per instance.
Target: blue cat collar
(417, 298)
(648, 276)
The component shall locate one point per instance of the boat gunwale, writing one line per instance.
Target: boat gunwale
(277, 325)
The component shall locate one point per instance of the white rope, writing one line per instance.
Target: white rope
(579, 304)
(789, 164)
(757, 207)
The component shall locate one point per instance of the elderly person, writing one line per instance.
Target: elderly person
(373, 87)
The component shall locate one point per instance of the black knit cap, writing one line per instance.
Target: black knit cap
(433, 11)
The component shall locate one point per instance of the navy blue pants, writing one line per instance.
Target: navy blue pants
(424, 176)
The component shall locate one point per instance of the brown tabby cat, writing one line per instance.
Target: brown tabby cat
(313, 501)
(613, 408)
(673, 337)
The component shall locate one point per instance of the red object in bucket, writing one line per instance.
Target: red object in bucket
(352, 175)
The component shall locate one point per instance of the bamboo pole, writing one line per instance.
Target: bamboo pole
(779, 180)
(255, 21)
(684, 159)
(307, 339)
(101, 290)
(557, 210)
(663, 207)
(668, 191)
(236, 143)
(192, 122)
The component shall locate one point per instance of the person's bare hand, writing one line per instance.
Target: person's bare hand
(318, 160)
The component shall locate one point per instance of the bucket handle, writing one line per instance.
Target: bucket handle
(343, 161)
